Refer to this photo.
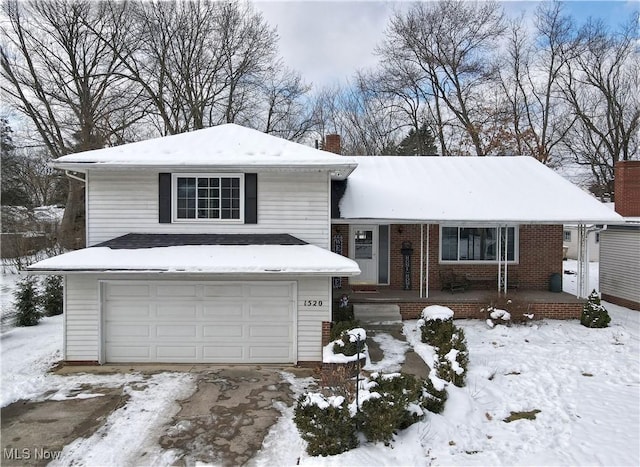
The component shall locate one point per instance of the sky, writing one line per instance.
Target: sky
(327, 41)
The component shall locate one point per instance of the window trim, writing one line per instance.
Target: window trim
(516, 248)
(174, 197)
(566, 236)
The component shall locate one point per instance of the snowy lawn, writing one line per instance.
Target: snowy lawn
(585, 383)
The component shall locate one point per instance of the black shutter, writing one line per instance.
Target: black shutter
(164, 200)
(250, 198)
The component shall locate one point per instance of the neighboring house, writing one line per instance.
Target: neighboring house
(620, 243)
(215, 245)
(570, 242)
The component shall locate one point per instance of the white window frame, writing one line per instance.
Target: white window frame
(174, 197)
(566, 235)
(516, 247)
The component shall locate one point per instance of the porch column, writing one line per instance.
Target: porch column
(503, 258)
(421, 259)
(582, 287)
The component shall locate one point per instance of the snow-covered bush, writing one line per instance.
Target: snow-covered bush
(338, 328)
(594, 314)
(325, 423)
(391, 403)
(507, 311)
(27, 302)
(351, 342)
(433, 398)
(438, 331)
(52, 296)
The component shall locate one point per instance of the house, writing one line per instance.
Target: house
(571, 246)
(620, 242)
(215, 246)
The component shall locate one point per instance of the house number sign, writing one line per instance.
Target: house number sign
(313, 303)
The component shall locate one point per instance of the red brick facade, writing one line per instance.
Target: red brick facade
(471, 310)
(621, 301)
(540, 256)
(627, 188)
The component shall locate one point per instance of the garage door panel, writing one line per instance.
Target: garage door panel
(229, 353)
(119, 331)
(176, 352)
(127, 290)
(130, 311)
(118, 352)
(213, 322)
(177, 331)
(176, 311)
(283, 332)
(177, 291)
(275, 312)
(223, 290)
(223, 311)
(223, 330)
(282, 291)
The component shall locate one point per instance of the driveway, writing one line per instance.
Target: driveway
(223, 422)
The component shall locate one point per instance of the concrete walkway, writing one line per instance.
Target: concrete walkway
(413, 363)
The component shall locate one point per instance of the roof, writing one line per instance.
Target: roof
(185, 254)
(228, 146)
(466, 189)
(137, 240)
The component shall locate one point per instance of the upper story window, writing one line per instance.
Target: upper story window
(567, 235)
(476, 244)
(209, 197)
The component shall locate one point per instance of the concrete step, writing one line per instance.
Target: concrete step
(376, 312)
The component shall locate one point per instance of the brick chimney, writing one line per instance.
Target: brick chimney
(627, 188)
(332, 143)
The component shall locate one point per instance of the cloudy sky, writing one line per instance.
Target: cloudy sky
(327, 41)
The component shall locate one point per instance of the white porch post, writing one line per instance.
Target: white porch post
(421, 258)
(426, 286)
(503, 258)
(582, 289)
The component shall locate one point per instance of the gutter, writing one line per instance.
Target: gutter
(69, 174)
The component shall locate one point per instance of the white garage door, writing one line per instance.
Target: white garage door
(206, 322)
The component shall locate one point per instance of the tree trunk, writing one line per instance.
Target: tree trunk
(72, 229)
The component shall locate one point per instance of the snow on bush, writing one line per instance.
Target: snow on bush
(594, 315)
(347, 348)
(434, 312)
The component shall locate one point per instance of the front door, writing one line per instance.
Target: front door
(364, 251)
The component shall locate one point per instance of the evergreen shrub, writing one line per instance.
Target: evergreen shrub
(325, 424)
(433, 399)
(594, 314)
(27, 302)
(52, 303)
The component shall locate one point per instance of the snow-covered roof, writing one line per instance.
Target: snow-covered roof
(466, 189)
(227, 146)
(205, 259)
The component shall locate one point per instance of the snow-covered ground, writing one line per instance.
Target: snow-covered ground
(584, 382)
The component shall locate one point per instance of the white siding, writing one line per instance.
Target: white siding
(296, 203)
(311, 316)
(82, 319)
(620, 263)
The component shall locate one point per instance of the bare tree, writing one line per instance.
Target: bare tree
(58, 73)
(602, 89)
(450, 42)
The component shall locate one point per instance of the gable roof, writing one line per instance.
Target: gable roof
(466, 189)
(227, 146)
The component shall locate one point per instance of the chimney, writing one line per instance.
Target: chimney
(332, 143)
(627, 188)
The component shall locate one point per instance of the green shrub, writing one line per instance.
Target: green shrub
(342, 313)
(450, 344)
(27, 302)
(52, 297)
(453, 359)
(325, 424)
(378, 419)
(594, 314)
(432, 399)
(338, 328)
(346, 344)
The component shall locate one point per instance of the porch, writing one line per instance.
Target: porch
(468, 303)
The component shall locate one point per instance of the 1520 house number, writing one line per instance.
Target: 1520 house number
(313, 303)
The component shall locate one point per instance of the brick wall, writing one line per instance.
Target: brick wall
(332, 144)
(621, 301)
(627, 188)
(412, 310)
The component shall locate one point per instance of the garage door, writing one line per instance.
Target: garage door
(199, 322)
